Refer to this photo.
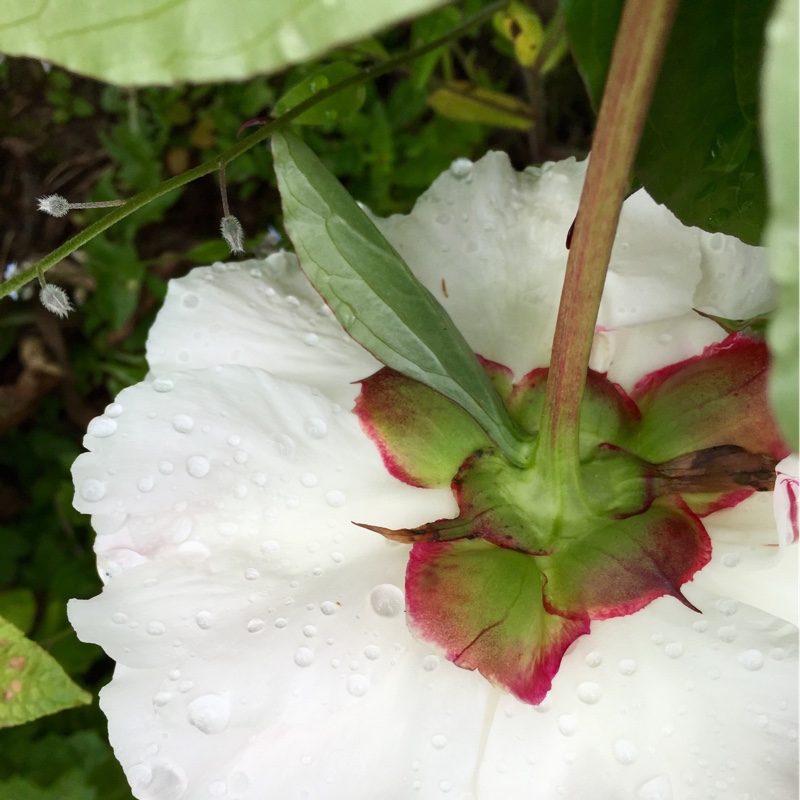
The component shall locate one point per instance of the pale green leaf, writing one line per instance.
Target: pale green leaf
(150, 42)
(32, 684)
(780, 86)
(375, 296)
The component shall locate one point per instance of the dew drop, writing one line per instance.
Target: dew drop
(255, 625)
(439, 741)
(140, 776)
(209, 713)
(594, 659)
(251, 574)
(217, 788)
(166, 467)
(627, 666)
(303, 656)
(156, 628)
(357, 685)
(92, 490)
(309, 631)
(727, 606)
(461, 168)
(241, 456)
(119, 618)
(190, 300)
(567, 725)
(372, 652)
(281, 622)
(429, 663)
(163, 385)
(259, 478)
(113, 410)
(751, 660)
(625, 751)
(310, 339)
(674, 650)
(269, 547)
(335, 499)
(146, 484)
(589, 692)
(328, 608)
(160, 699)
(309, 480)
(387, 600)
(727, 633)
(701, 626)
(182, 423)
(197, 466)
(204, 620)
(101, 427)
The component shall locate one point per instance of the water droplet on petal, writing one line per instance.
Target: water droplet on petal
(751, 659)
(166, 467)
(567, 725)
(204, 620)
(372, 652)
(594, 659)
(217, 788)
(429, 663)
(281, 622)
(461, 168)
(727, 606)
(727, 633)
(589, 692)
(139, 776)
(251, 574)
(309, 631)
(92, 490)
(182, 423)
(625, 751)
(674, 650)
(209, 713)
(119, 618)
(357, 685)
(309, 480)
(146, 484)
(197, 466)
(335, 499)
(627, 666)
(658, 788)
(163, 385)
(387, 600)
(303, 656)
(255, 625)
(156, 628)
(439, 741)
(190, 300)
(113, 410)
(101, 427)
(327, 608)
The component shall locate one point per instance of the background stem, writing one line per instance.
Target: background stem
(638, 51)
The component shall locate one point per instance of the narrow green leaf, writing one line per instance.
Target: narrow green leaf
(32, 684)
(781, 148)
(149, 42)
(340, 105)
(467, 103)
(375, 296)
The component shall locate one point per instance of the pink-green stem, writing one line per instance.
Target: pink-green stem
(638, 52)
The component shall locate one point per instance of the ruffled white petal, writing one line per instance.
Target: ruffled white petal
(259, 314)
(494, 240)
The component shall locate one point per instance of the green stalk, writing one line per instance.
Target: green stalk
(635, 63)
(143, 198)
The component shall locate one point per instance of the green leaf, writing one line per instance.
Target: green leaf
(32, 684)
(18, 606)
(148, 42)
(467, 103)
(375, 296)
(699, 153)
(342, 104)
(73, 785)
(781, 149)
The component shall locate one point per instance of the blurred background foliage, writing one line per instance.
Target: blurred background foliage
(61, 133)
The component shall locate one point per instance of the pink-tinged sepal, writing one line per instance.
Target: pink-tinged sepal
(616, 567)
(483, 606)
(422, 436)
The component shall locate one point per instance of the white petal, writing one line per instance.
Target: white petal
(261, 314)
(787, 499)
(662, 705)
(491, 248)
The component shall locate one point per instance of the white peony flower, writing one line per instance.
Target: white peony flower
(260, 639)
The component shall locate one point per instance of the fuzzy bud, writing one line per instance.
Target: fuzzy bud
(55, 299)
(54, 204)
(233, 233)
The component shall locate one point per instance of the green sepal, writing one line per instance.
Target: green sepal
(375, 296)
(422, 436)
(32, 683)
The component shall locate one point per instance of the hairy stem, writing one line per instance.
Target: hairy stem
(143, 198)
(635, 64)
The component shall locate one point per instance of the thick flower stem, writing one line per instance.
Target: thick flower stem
(635, 64)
